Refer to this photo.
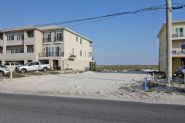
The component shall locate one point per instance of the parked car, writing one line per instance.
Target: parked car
(4, 70)
(33, 66)
(12, 65)
(180, 70)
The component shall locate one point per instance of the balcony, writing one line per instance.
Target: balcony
(15, 42)
(55, 39)
(46, 40)
(178, 53)
(178, 36)
(51, 54)
(58, 39)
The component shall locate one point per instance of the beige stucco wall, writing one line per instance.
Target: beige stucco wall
(38, 44)
(176, 45)
(70, 43)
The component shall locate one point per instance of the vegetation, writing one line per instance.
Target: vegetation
(152, 85)
(125, 67)
(35, 73)
(93, 66)
(57, 68)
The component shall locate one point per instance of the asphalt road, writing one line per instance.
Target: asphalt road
(42, 109)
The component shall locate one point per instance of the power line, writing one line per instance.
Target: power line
(178, 6)
(153, 8)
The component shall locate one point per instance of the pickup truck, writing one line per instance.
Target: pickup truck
(4, 70)
(33, 66)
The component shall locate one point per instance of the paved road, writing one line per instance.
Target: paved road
(39, 109)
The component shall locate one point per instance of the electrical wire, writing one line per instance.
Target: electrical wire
(153, 8)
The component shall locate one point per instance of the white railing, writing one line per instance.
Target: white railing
(178, 52)
(178, 35)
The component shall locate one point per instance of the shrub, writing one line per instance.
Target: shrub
(68, 69)
(93, 66)
(57, 68)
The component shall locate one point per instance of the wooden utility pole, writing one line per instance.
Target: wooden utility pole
(168, 41)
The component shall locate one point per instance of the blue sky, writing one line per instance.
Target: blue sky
(128, 39)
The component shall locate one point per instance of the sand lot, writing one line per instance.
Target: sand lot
(114, 86)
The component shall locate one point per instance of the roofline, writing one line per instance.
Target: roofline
(67, 29)
(17, 29)
(164, 24)
(40, 29)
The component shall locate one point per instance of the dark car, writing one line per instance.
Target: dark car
(180, 71)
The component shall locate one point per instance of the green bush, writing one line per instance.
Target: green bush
(93, 66)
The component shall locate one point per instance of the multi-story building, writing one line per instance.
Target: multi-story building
(54, 45)
(178, 46)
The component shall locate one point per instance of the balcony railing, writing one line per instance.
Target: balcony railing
(177, 35)
(175, 52)
(45, 40)
(58, 39)
(55, 39)
(51, 54)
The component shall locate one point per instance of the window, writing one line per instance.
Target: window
(90, 54)
(20, 37)
(183, 48)
(30, 48)
(59, 36)
(36, 63)
(21, 51)
(30, 33)
(91, 44)
(31, 64)
(77, 38)
(80, 53)
(179, 32)
(10, 37)
(16, 50)
(52, 51)
(47, 37)
(174, 52)
(80, 40)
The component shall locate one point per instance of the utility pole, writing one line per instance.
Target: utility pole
(168, 41)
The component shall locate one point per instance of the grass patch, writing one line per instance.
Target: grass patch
(125, 67)
(33, 73)
(152, 84)
(53, 72)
